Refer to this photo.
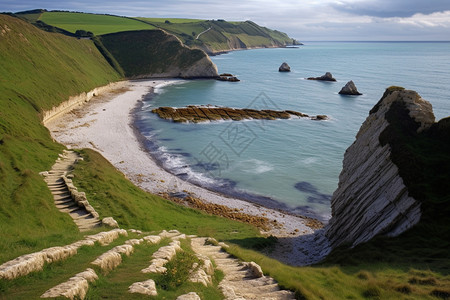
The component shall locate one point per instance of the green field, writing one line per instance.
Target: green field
(97, 24)
(171, 20)
(222, 35)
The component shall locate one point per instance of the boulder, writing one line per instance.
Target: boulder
(75, 288)
(284, 68)
(350, 89)
(227, 77)
(254, 269)
(147, 287)
(189, 296)
(326, 77)
(109, 221)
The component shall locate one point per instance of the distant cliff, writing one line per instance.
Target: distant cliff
(215, 36)
(154, 53)
(372, 197)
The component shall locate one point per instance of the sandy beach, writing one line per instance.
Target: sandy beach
(105, 124)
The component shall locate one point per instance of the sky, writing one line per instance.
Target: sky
(305, 20)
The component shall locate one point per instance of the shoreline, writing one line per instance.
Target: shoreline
(82, 128)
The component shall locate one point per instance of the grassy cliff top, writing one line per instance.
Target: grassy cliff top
(97, 24)
(209, 35)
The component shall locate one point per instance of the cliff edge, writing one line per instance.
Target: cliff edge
(372, 198)
(155, 53)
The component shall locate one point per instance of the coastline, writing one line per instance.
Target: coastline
(105, 124)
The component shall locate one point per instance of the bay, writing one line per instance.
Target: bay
(295, 162)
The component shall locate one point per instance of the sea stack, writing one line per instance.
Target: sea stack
(284, 68)
(350, 89)
(326, 77)
(372, 198)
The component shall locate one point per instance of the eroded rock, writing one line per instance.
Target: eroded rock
(75, 288)
(147, 287)
(284, 68)
(350, 89)
(371, 198)
(326, 77)
(198, 114)
(112, 258)
(189, 296)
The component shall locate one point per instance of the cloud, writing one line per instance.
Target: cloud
(303, 20)
(391, 8)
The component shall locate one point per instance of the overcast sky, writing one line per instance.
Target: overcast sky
(305, 20)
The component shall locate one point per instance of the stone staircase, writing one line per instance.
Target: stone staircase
(241, 280)
(57, 181)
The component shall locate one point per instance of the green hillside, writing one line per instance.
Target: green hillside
(37, 71)
(220, 35)
(97, 24)
(209, 35)
(148, 52)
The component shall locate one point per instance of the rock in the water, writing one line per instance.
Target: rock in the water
(372, 198)
(326, 77)
(228, 77)
(202, 113)
(350, 89)
(284, 68)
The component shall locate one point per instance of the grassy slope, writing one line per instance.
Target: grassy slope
(219, 38)
(383, 269)
(149, 52)
(46, 70)
(221, 34)
(97, 24)
(112, 195)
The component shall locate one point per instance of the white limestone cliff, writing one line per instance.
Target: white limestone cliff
(371, 198)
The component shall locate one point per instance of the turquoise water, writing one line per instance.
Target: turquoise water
(290, 164)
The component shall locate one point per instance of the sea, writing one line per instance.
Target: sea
(292, 164)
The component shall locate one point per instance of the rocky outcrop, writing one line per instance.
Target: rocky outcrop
(372, 198)
(189, 296)
(156, 53)
(75, 288)
(228, 77)
(350, 89)
(112, 258)
(197, 114)
(284, 68)
(147, 287)
(326, 77)
(33, 262)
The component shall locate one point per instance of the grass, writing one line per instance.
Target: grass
(360, 281)
(112, 194)
(97, 24)
(46, 71)
(171, 20)
(114, 285)
(37, 283)
(150, 53)
(50, 67)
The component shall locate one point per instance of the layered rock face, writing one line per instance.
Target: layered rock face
(371, 198)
